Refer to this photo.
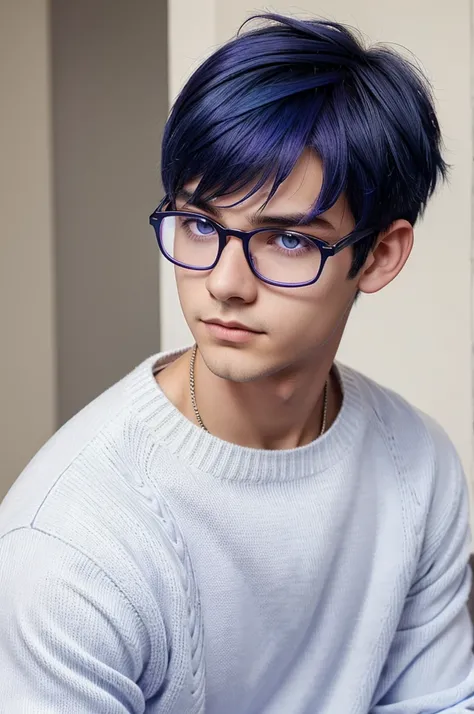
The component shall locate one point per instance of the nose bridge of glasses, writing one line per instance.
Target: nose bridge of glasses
(242, 251)
(238, 238)
(243, 236)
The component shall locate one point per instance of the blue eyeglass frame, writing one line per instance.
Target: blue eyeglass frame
(326, 250)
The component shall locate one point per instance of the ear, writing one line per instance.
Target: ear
(387, 259)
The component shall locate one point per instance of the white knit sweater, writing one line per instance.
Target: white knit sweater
(147, 566)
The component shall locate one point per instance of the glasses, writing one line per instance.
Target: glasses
(279, 257)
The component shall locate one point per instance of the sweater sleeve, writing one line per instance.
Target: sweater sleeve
(70, 641)
(430, 668)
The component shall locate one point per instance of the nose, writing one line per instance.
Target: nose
(232, 278)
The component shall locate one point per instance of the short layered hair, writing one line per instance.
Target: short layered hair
(247, 114)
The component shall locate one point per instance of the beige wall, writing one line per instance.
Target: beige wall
(27, 355)
(83, 96)
(415, 336)
(109, 64)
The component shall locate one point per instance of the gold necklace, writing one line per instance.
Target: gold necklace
(192, 391)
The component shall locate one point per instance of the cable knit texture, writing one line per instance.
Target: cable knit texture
(147, 566)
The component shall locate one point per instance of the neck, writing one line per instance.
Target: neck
(283, 411)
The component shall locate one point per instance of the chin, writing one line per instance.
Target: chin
(234, 365)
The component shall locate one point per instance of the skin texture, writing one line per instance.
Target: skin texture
(269, 388)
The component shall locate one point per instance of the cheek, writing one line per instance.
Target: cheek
(311, 314)
(334, 290)
(336, 271)
(189, 285)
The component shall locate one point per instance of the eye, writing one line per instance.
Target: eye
(200, 226)
(288, 242)
(204, 227)
(197, 227)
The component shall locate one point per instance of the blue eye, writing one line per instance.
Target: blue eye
(204, 227)
(289, 242)
(198, 227)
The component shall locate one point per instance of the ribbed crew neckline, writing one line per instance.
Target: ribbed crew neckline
(203, 451)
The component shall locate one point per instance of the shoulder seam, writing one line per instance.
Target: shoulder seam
(73, 459)
(387, 436)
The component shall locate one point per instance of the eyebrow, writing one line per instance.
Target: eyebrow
(284, 221)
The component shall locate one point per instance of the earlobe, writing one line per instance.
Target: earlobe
(388, 258)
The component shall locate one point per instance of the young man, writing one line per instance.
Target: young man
(247, 527)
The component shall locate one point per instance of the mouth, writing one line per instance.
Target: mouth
(231, 331)
(232, 325)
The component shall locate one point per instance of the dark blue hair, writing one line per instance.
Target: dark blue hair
(249, 111)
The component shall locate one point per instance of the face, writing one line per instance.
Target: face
(288, 328)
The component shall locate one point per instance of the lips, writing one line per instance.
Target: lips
(232, 325)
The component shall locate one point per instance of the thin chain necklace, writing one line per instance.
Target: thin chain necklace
(192, 391)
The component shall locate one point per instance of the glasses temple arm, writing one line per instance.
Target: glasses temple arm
(353, 238)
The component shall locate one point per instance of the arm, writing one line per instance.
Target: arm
(70, 641)
(430, 668)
